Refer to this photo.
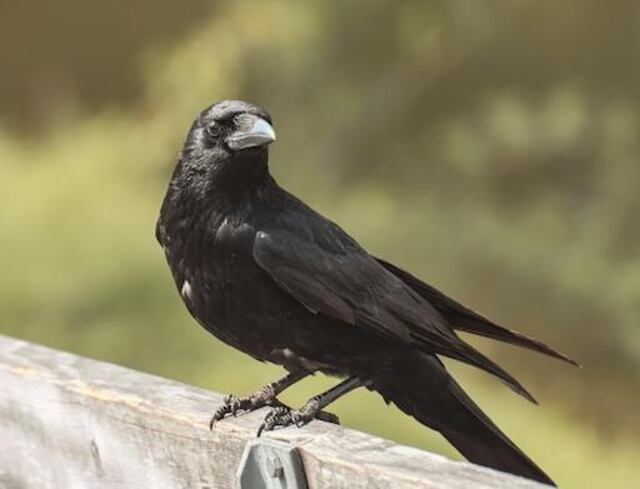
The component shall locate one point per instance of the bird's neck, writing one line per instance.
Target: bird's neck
(241, 184)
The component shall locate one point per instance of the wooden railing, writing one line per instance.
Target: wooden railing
(72, 422)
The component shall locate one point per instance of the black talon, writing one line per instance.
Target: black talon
(230, 405)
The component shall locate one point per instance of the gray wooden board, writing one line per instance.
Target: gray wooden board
(71, 422)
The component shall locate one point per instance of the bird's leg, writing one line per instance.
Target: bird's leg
(265, 396)
(283, 416)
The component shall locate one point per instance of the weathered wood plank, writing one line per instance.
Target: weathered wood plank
(72, 422)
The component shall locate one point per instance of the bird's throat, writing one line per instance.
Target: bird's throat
(244, 178)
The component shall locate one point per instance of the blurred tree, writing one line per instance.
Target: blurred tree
(67, 56)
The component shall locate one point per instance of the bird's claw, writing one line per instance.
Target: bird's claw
(239, 405)
(230, 405)
(279, 416)
(283, 416)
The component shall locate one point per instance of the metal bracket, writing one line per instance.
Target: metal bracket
(270, 464)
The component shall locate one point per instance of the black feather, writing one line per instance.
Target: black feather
(464, 319)
(436, 400)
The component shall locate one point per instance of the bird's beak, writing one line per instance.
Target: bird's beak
(251, 131)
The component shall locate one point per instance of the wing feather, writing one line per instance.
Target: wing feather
(350, 285)
(463, 318)
(344, 286)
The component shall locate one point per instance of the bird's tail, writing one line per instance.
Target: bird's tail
(421, 387)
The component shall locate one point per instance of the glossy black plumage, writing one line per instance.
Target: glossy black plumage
(271, 277)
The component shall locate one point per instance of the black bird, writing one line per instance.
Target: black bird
(271, 277)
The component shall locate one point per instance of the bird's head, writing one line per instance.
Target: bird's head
(228, 143)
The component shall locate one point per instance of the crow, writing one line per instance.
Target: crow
(268, 275)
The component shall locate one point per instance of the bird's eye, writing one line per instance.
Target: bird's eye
(213, 129)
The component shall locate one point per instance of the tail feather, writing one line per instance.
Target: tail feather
(480, 441)
(464, 319)
(421, 387)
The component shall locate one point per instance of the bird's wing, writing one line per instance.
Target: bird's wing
(463, 318)
(348, 284)
(351, 286)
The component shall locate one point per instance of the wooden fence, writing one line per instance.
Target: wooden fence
(71, 422)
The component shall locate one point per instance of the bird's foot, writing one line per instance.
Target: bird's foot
(233, 405)
(283, 416)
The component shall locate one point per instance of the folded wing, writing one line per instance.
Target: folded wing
(351, 286)
(464, 319)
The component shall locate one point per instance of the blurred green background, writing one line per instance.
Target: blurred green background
(491, 147)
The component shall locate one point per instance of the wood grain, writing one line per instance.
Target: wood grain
(72, 422)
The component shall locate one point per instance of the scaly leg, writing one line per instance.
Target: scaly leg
(283, 416)
(266, 396)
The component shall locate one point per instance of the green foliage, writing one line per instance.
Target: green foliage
(488, 167)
